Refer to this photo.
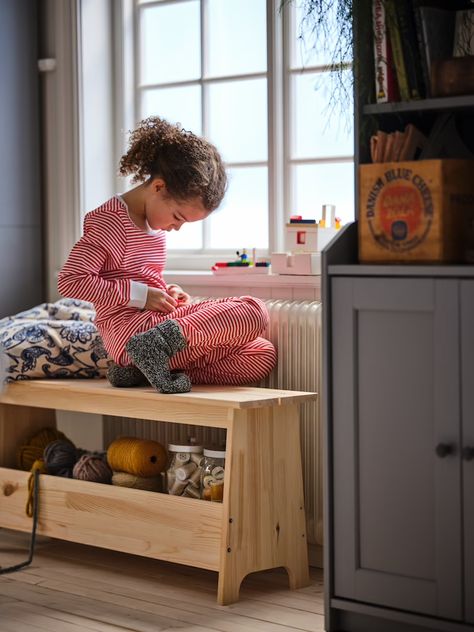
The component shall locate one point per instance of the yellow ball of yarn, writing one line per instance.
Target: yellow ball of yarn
(141, 457)
(27, 454)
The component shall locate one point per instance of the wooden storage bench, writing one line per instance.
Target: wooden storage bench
(259, 525)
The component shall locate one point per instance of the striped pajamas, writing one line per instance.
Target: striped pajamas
(224, 336)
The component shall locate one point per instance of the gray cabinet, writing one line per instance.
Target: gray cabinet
(467, 413)
(400, 427)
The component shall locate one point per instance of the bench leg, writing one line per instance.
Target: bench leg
(264, 520)
(17, 425)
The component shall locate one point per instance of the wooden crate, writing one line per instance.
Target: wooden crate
(420, 211)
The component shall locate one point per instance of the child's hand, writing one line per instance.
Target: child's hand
(160, 301)
(181, 297)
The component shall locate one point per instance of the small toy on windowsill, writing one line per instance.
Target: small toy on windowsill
(304, 240)
(242, 265)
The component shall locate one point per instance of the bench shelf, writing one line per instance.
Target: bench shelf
(260, 523)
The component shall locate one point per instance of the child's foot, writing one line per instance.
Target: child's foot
(151, 352)
(123, 376)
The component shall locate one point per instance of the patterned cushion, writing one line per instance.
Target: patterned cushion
(53, 340)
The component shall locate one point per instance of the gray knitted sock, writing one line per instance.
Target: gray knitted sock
(151, 352)
(123, 376)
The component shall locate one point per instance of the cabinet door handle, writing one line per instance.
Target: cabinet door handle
(468, 453)
(444, 449)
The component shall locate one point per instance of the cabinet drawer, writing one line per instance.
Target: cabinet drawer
(175, 529)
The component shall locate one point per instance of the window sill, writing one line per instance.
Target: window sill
(189, 278)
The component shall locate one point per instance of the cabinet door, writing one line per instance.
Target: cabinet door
(467, 352)
(395, 398)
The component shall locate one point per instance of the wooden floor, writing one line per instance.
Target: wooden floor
(73, 588)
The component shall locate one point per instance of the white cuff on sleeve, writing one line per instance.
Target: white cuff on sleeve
(138, 294)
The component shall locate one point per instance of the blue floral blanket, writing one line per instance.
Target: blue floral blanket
(53, 340)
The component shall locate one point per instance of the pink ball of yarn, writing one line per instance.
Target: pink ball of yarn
(92, 468)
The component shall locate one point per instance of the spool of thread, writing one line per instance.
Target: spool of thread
(185, 471)
(60, 457)
(141, 457)
(33, 450)
(151, 483)
(177, 488)
(191, 491)
(195, 478)
(92, 468)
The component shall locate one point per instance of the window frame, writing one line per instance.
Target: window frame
(279, 123)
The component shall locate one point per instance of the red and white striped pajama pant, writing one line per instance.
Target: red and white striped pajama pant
(225, 343)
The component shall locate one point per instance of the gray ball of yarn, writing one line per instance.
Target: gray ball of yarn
(60, 457)
(92, 468)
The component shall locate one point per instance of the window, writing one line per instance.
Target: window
(237, 73)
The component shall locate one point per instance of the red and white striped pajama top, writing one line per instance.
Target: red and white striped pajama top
(224, 336)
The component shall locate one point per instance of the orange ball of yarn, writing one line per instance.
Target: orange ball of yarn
(141, 457)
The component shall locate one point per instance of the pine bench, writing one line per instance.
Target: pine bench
(259, 525)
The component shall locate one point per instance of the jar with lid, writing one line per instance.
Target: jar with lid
(212, 477)
(183, 476)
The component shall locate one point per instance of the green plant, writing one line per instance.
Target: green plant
(327, 28)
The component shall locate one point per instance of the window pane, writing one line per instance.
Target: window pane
(319, 129)
(189, 237)
(230, 24)
(170, 38)
(305, 48)
(242, 219)
(238, 119)
(177, 105)
(320, 184)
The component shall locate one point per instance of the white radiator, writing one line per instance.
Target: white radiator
(295, 329)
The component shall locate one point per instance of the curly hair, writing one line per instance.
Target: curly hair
(190, 165)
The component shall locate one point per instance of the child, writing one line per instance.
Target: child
(148, 327)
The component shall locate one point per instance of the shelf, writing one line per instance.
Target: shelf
(402, 270)
(134, 521)
(422, 105)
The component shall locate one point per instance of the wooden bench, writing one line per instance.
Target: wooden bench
(259, 525)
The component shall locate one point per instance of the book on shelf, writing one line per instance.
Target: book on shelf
(386, 86)
(413, 143)
(435, 37)
(378, 143)
(398, 145)
(463, 33)
(393, 28)
(405, 22)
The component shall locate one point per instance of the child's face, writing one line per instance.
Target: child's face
(165, 213)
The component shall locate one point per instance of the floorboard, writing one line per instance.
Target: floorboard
(71, 588)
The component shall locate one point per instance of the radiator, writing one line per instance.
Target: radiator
(295, 329)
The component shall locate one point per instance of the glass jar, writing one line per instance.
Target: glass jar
(183, 476)
(212, 475)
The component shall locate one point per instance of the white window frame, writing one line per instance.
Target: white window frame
(289, 101)
(278, 74)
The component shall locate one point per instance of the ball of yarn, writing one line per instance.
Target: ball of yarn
(33, 450)
(151, 484)
(60, 457)
(141, 457)
(92, 468)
